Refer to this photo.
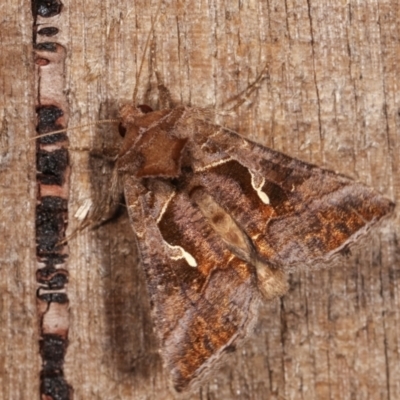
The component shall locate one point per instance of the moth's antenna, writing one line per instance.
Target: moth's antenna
(139, 71)
(102, 121)
(240, 98)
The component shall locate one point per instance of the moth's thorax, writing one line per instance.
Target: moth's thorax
(151, 147)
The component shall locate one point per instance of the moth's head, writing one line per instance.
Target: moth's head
(131, 117)
(130, 114)
(150, 147)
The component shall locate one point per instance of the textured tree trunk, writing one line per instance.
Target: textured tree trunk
(329, 97)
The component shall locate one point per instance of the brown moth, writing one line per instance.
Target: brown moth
(219, 221)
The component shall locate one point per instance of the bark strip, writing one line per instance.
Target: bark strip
(52, 166)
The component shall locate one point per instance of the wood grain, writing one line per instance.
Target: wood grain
(331, 98)
(19, 359)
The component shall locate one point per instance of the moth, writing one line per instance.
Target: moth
(219, 221)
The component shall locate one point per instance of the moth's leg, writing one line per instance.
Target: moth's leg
(105, 203)
(232, 104)
(107, 207)
(229, 107)
(104, 182)
(110, 211)
(94, 217)
(108, 153)
(164, 95)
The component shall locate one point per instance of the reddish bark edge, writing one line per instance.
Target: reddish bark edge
(52, 166)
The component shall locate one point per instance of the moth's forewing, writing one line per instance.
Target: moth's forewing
(198, 310)
(310, 212)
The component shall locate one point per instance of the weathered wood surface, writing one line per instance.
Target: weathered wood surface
(330, 98)
(19, 362)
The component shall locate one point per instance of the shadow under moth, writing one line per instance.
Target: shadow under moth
(219, 221)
